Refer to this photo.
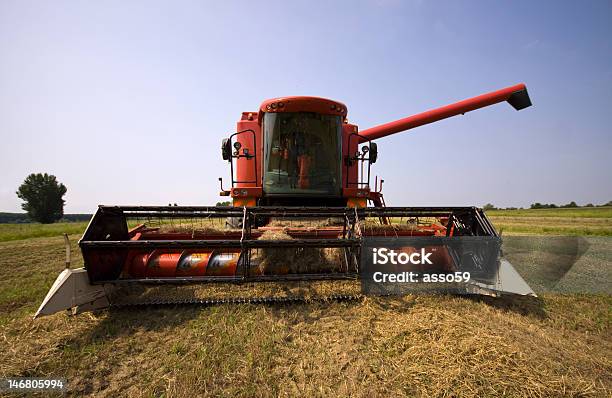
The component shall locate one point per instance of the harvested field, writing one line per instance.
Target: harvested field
(556, 345)
(562, 264)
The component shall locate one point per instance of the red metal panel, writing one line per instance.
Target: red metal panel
(304, 104)
(347, 130)
(245, 168)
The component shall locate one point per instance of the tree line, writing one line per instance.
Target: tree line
(24, 218)
(538, 205)
(43, 201)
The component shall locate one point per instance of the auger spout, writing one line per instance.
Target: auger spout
(516, 96)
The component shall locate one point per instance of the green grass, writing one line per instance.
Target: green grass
(10, 232)
(585, 221)
(567, 222)
(512, 228)
(576, 212)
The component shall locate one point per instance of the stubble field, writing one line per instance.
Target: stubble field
(556, 345)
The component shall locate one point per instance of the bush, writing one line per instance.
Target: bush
(539, 205)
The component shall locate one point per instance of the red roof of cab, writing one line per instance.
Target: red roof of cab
(304, 104)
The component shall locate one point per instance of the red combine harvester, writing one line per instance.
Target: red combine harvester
(300, 186)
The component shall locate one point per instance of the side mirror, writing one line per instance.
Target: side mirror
(373, 152)
(226, 149)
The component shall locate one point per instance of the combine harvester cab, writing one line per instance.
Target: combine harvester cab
(300, 187)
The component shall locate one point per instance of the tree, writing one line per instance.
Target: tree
(538, 205)
(42, 194)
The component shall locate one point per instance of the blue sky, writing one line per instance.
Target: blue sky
(126, 102)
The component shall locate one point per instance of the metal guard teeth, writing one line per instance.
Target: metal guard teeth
(240, 300)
